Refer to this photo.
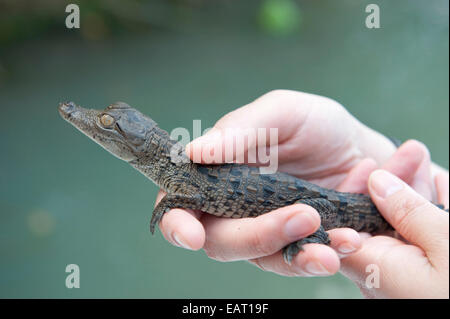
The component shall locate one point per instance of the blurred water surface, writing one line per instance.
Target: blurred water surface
(65, 200)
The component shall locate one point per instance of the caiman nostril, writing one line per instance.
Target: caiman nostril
(66, 108)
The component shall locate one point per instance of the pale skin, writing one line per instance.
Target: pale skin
(321, 142)
(415, 265)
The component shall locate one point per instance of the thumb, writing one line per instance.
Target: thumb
(253, 125)
(415, 218)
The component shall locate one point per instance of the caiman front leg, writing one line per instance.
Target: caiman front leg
(319, 237)
(173, 201)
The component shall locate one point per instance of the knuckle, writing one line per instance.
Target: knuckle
(277, 269)
(280, 97)
(258, 245)
(333, 105)
(213, 254)
(260, 241)
(277, 93)
(256, 241)
(406, 211)
(292, 271)
(257, 263)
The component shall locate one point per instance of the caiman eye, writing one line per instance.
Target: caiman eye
(107, 120)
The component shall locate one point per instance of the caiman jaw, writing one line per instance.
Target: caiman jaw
(89, 122)
(83, 119)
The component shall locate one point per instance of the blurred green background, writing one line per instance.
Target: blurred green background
(65, 200)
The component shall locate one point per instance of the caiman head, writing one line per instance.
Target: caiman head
(119, 128)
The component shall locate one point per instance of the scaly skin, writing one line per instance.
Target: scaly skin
(229, 190)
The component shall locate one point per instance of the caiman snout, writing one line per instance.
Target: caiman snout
(67, 108)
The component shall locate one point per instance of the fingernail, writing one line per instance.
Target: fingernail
(346, 248)
(316, 268)
(299, 225)
(179, 242)
(210, 137)
(384, 183)
(364, 235)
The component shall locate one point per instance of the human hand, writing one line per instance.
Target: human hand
(415, 266)
(318, 141)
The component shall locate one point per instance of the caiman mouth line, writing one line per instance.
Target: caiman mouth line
(120, 130)
(87, 122)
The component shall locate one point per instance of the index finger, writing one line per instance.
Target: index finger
(181, 227)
